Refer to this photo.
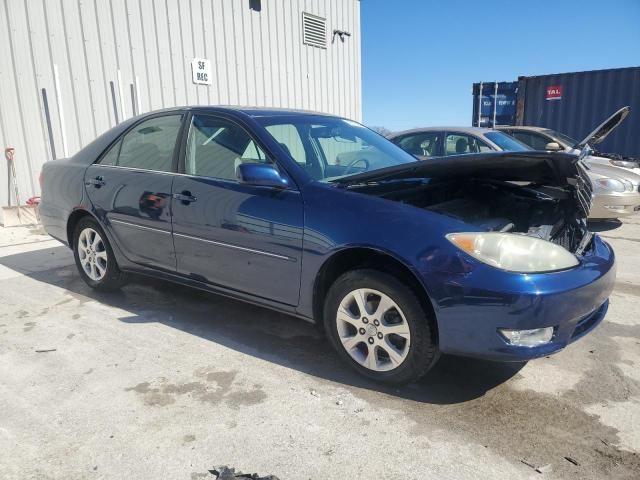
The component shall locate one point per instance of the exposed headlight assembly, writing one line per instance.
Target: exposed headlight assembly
(514, 252)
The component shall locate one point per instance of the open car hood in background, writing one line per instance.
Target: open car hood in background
(548, 168)
(604, 129)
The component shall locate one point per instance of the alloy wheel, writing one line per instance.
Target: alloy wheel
(373, 330)
(92, 254)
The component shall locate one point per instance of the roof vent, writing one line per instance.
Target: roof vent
(314, 30)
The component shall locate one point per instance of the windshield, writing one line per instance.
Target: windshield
(329, 148)
(566, 140)
(506, 142)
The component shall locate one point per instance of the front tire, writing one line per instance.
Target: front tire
(379, 327)
(94, 257)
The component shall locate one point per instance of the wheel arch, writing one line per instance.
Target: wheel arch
(352, 258)
(77, 215)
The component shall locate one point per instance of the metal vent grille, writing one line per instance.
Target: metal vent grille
(314, 30)
(584, 189)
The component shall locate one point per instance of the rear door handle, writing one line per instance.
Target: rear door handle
(96, 182)
(185, 197)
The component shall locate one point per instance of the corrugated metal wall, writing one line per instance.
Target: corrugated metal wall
(116, 58)
(581, 101)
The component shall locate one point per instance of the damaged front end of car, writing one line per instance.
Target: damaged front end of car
(537, 194)
(519, 275)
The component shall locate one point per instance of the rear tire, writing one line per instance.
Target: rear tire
(379, 327)
(94, 257)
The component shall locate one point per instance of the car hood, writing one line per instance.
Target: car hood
(604, 129)
(553, 169)
(548, 168)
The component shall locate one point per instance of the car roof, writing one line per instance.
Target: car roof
(469, 130)
(521, 127)
(255, 112)
(258, 111)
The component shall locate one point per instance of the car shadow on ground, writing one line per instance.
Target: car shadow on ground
(604, 225)
(256, 331)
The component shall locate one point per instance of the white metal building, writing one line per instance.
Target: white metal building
(71, 69)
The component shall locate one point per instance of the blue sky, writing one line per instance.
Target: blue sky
(421, 57)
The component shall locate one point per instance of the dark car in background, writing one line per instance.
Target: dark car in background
(319, 217)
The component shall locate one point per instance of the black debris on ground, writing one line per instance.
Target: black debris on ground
(528, 464)
(540, 469)
(226, 473)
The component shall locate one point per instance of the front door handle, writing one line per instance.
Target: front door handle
(96, 182)
(185, 197)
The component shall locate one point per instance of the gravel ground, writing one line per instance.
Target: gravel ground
(159, 381)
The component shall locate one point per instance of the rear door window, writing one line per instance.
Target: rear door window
(148, 146)
(460, 144)
(424, 144)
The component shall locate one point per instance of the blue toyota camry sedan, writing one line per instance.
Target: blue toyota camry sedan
(483, 255)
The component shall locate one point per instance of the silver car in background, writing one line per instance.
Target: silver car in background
(445, 141)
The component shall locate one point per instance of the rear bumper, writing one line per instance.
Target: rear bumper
(54, 222)
(473, 306)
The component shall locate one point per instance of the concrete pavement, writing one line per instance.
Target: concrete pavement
(159, 381)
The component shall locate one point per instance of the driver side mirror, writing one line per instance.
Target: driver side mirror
(553, 147)
(261, 175)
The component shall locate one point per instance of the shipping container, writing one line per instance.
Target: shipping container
(494, 103)
(574, 104)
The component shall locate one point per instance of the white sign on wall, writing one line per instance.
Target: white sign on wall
(201, 71)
